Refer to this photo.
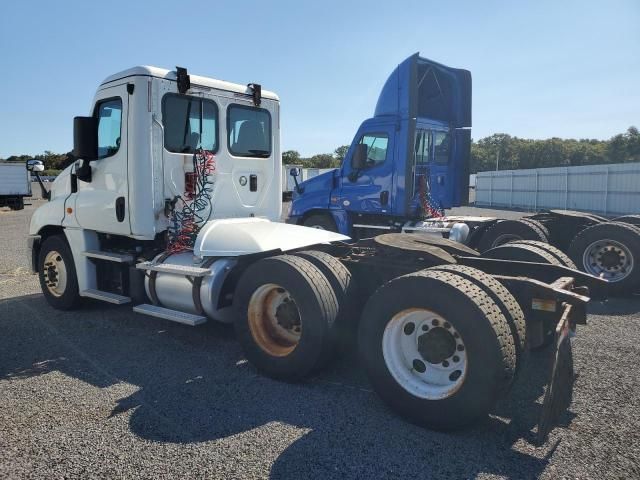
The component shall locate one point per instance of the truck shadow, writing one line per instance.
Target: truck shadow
(192, 385)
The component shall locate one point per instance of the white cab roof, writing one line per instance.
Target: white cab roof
(195, 80)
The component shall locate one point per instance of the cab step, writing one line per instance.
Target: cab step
(105, 296)
(168, 314)
(109, 256)
(183, 270)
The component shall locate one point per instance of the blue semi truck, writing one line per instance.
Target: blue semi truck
(410, 162)
(415, 147)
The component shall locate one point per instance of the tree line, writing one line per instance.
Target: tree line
(498, 150)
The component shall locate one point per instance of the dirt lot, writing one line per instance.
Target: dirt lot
(103, 392)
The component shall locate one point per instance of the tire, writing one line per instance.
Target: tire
(562, 257)
(542, 229)
(509, 230)
(522, 253)
(321, 221)
(506, 302)
(620, 242)
(300, 342)
(483, 348)
(630, 219)
(344, 328)
(57, 273)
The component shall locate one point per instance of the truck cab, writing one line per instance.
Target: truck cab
(415, 147)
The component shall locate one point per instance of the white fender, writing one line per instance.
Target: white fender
(233, 237)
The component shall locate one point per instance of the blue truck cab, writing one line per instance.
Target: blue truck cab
(417, 143)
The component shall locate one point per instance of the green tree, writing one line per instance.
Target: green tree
(290, 157)
(340, 152)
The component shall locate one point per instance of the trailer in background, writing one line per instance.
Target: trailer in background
(15, 184)
(609, 190)
(288, 182)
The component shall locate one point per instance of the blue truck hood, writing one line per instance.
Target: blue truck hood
(420, 87)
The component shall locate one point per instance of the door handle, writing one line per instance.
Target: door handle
(384, 198)
(120, 209)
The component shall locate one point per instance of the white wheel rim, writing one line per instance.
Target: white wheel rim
(425, 354)
(55, 273)
(608, 259)
(274, 320)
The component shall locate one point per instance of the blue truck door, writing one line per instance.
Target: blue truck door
(442, 180)
(368, 190)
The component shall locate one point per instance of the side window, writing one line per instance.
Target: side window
(249, 130)
(376, 148)
(109, 114)
(441, 143)
(189, 123)
(422, 147)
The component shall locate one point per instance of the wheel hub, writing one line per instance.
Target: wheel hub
(436, 345)
(274, 320)
(54, 272)
(424, 353)
(608, 259)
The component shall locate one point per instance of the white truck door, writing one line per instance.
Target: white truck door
(103, 204)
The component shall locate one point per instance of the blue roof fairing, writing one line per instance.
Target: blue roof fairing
(419, 87)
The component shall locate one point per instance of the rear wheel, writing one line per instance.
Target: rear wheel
(503, 299)
(320, 221)
(630, 219)
(285, 310)
(436, 348)
(612, 251)
(522, 253)
(508, 230)
(339, 277)
(57, 273)
(562, 257)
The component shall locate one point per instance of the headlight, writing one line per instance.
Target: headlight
(459, 232)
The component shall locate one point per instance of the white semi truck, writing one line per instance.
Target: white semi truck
(15, 185)
(174, 204)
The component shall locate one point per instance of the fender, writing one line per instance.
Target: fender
(233, 237)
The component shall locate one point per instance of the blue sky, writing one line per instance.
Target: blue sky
(540, 68)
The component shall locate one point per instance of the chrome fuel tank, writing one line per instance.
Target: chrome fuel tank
(178, 292)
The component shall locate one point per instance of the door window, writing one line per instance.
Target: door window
(441, 150)
(249, 131)
(422, 147)
(376, 148)
(189, 123)
(109, 126)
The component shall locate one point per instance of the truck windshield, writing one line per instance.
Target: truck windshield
(249, 131)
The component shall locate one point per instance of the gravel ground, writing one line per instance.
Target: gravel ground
(103, 392)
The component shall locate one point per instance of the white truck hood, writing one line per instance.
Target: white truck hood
(233, 237)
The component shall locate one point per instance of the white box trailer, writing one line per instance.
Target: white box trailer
(15, 184)
(288, 182)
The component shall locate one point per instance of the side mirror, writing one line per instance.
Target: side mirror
(359, 158)
(35, 166)
(85, 138)
(294, 172)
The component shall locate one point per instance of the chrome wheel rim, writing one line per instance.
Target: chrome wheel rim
(274, 320)
(55, 273)
(425, 354)
(608, 259)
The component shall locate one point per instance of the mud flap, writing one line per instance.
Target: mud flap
(559, 391)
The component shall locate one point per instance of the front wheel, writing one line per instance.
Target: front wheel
(57, 273)
(321, 222)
